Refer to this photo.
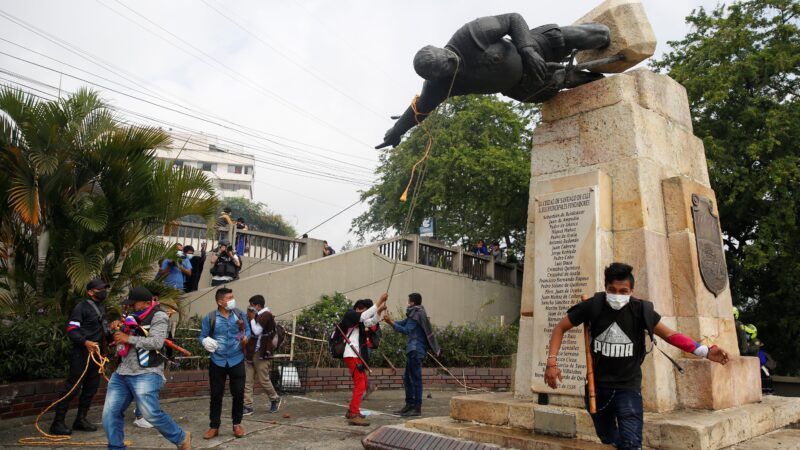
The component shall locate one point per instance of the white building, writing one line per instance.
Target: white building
(231, 170)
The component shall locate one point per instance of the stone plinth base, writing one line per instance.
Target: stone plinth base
(502, 420)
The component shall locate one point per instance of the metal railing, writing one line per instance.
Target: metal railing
(504, 273)
(395, 249)
(436, 256)
(253, 244)
(475, 266)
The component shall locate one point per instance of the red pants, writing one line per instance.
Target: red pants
(359, 384)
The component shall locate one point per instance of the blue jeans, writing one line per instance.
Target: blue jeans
(412, 378)
(144, 388)
(619, 418)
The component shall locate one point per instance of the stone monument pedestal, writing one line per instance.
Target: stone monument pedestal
(617, 175)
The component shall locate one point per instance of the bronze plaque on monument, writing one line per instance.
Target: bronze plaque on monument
(710, 254)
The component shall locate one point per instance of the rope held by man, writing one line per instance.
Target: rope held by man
(47, 439)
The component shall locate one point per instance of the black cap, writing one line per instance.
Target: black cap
(97, 283)
(138, 294)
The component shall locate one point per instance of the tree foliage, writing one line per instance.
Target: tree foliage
(259, 217)
(83, 196)
(476, 179)
(740, 66)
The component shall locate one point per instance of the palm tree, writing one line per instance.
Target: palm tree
(83, 196)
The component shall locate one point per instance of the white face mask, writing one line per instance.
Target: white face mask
(231, 304)
(617, 301)
(179, 254)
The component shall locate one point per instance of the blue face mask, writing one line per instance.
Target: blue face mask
(189, 256)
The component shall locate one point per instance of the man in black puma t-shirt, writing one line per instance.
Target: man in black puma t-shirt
(617, 324)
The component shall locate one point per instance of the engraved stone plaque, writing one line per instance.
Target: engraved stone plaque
(566, 254)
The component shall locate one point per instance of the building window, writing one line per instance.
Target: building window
(233, 186)
(178, 163)
(234, 168)
(208, 167)
(248, 170)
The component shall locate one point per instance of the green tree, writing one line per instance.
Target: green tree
(84, 196)
(259, 217)
(476, 179)
(740, 66)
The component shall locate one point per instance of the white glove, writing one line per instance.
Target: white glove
(210, 344)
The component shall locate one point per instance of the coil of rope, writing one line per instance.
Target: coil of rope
(47, 439)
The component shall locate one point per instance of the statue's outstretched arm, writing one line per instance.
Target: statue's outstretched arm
(433, 94)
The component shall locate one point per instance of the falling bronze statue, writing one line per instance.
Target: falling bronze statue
(479, 59)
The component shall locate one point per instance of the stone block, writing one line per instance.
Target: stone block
(690, 296)
(441, 425)
(663, 95)
(711, 331)
(787, 409)
(677, 192)
(684, 430)
(588, 97)
(554, 422)
(647, 252)
(631, 34)
(708, 385)
(658, 377)
(556, 147)
(482, 408)
(521, 415)
(524, 369)
(609, 134)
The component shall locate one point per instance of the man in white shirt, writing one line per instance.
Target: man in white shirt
(258, 353)
(363, 314)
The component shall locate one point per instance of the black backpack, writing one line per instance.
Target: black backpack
(336, 341)
(641, 309)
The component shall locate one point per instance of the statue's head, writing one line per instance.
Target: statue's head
(434, 63)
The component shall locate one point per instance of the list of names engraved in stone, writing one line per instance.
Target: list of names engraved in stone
(565, 232)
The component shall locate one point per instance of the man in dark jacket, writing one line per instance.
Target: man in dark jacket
(420, 338)
(193, 280)
(363, 314)
(88, 330)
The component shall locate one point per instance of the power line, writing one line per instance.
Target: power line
(272, 164)
(224, 68)
(93, 59)
(147, 102)
(293, 61)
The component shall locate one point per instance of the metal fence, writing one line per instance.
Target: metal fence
(436, 256)
(504, 273)
(395, 249)
(475, 266)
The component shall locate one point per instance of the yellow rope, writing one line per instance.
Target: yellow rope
(47, 439)
(428, 146)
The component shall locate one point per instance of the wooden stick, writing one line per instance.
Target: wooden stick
(587, 339)
(354, 349)
(386, 358)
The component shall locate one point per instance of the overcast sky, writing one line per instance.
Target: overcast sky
(307, 86)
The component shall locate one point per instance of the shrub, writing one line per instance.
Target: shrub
(34, 348)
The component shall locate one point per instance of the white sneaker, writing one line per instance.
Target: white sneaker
(142, 423)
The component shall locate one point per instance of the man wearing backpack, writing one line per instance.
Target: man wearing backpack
(267, 337)
(224, 333)
(420, 338)
(617, 324)
(140, 375)
(363, 314)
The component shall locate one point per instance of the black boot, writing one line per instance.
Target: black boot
(414, 411)
(82, 423)
(59, 428)
(404, 410)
